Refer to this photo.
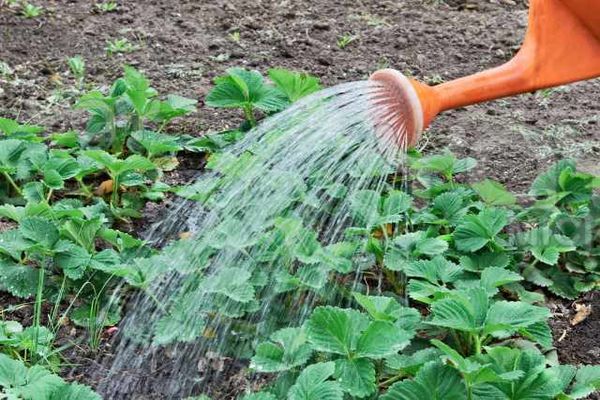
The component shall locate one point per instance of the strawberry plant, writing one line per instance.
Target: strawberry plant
(248, 91)
(36, 383)
(129, 105)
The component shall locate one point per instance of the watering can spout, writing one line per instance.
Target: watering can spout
(562, 45)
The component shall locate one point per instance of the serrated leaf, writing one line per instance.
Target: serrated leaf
(480, 261)
(356, 376)
(512, 315)
(587, 381)
(19, 280)
(39, 230)
(436, 270)
(433, 381)
(20, 382)
(381, 339)
(245, 88)
(335, 330)
(494, 193)
(546, 246)
(364, 206)
(287, 349)
(380, 308)
(412, 363)
(494, 277)
(464, 310)
(74, 391)
(231, 282)
(156, 144)
(295, 85)
(313, 384)
(478, 230)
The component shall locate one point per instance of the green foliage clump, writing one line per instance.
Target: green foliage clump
(248, 91)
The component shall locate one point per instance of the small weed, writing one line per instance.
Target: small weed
(5, 69)
(28, 10)
(344, 40)
(107, 6)
(77, 67)
(120, 46)
(235, 37)
(434, 79)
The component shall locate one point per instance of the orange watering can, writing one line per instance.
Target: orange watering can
(562, 45)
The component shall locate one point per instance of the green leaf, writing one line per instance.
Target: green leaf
(72, 259)
(253, 396)
(562, 184)
(546, 246)
(313, 384)
(83, 232)
(494, 193)
(395, 203)
(381, 339)
(13, 244)
(410, 364)
(380, 308)
(433, 381)
(587, 381)
(527, 368)
(19, 280)
(230, 233)
(464, 311)
(356, 376)
(231, 282)
(436, 270)
(295, 85)
(117, 167)
(13, 129)
(157, 144)
(480, 261)
(364, 206)
(180, 325)
(446, 164)
(494, 277)
(287, 349)
(511, 315)
(20, 382)
(68, 139)
(449, 208)
(74, 391)
(174, 106)
(478, 230)
(241, 88)
(410, 246)
(335, 330)
(40, 231)
(538, 332)
(34, 192)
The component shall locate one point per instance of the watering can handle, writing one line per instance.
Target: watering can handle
(562, 45)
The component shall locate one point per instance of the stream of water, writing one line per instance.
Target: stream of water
(266, 215)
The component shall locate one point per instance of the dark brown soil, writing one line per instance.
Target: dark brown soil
(184, 44)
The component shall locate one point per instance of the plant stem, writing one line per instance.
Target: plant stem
(37, 313)
(389, 381)
(249, 115)
(12, 183)
(477, 340)
(114, 197)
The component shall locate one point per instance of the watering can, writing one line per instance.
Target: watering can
(562, 45)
